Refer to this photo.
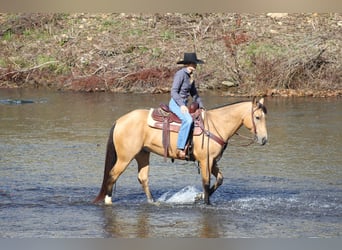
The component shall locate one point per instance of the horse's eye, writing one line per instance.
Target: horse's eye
(257, 117)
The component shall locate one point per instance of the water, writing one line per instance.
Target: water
(52, 159)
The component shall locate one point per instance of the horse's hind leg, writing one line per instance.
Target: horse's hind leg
(114, 174)
(143, 160)
(219, 178)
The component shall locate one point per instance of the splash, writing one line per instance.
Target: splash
(185, 195)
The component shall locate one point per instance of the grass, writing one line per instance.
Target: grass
(236, 47)
(49, 61)
(7, 36)
(168, 35)
(256, 49)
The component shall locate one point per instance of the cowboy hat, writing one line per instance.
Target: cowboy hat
(190, 58)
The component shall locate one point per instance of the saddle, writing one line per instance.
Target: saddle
(163, 118)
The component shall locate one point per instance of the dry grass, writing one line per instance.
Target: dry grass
(257, 53)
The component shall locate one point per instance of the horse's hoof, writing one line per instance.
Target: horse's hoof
(199, 197)
(156, 203)
(108, 200)
(150, 201)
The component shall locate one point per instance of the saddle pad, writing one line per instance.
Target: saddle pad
(174, 127)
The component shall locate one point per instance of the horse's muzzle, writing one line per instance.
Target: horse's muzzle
(263, 141)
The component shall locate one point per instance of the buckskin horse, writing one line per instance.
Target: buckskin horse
(132, 138)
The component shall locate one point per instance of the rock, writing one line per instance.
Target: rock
(16, 101)
(271, 92)
(277, 15)
(229, 84)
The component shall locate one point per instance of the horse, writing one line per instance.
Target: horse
(132, 138)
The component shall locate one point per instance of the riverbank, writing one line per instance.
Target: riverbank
(245, 54)
(268, 93)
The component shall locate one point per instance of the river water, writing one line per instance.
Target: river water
(52, 159)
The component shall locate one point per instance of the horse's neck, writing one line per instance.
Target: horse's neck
(228, 119)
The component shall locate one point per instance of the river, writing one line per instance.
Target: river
(52, 158)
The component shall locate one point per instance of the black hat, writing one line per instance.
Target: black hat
(190, 58)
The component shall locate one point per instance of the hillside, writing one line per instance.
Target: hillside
(245, 54)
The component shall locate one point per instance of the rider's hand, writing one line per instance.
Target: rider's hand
(184, 109)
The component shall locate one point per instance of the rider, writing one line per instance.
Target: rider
(183, 86)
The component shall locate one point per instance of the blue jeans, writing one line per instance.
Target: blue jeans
(185, 126)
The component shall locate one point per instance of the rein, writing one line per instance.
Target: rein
(219, 140)
(246, 137)
(253, 122)
(210, 135)
(224, 144)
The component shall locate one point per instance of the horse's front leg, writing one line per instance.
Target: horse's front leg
(205, 172)
(219, 178)
(143, 159)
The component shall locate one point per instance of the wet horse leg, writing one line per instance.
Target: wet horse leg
(205, 172)
(219, 178)
(143, 160)
(114, 174)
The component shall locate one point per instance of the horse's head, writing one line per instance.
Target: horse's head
(257, 121)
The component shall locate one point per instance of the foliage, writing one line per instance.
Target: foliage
(256, 52)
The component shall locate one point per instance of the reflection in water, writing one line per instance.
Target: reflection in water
(118, 224)
(147, 220)
(210, 226)
(143, 228)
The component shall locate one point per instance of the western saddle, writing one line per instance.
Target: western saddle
(163, 118)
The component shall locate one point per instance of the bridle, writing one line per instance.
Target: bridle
(223, 143)
(253, 122)
(254, 139)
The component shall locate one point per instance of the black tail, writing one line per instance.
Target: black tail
(109, 164)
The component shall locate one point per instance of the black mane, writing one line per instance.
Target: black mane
(228, 104)
(260, 106)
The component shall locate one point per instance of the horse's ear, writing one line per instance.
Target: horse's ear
(254, 101)
(261, 101)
